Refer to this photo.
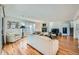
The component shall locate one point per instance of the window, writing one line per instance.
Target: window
(65, 30)
(44, 25)
(29, 27)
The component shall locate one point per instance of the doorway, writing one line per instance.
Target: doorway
(71, 31)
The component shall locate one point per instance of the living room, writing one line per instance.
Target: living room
(39, 29)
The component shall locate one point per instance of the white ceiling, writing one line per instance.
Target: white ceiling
(46, 12)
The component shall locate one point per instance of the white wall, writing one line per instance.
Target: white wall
(75, 25)
(59, 25)
(38, 26)
(1, 12)
(76, 28)
(1, 15)
(0, 32)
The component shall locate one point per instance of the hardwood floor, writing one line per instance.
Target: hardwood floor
(19, 47)
(67, 46)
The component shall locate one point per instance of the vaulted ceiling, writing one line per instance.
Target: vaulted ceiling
(46, 12)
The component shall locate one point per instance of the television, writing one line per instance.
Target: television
(55, 31)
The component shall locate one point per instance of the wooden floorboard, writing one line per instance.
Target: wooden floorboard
(67, 46)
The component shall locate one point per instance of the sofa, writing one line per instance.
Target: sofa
(13, 36)
(44, 44)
